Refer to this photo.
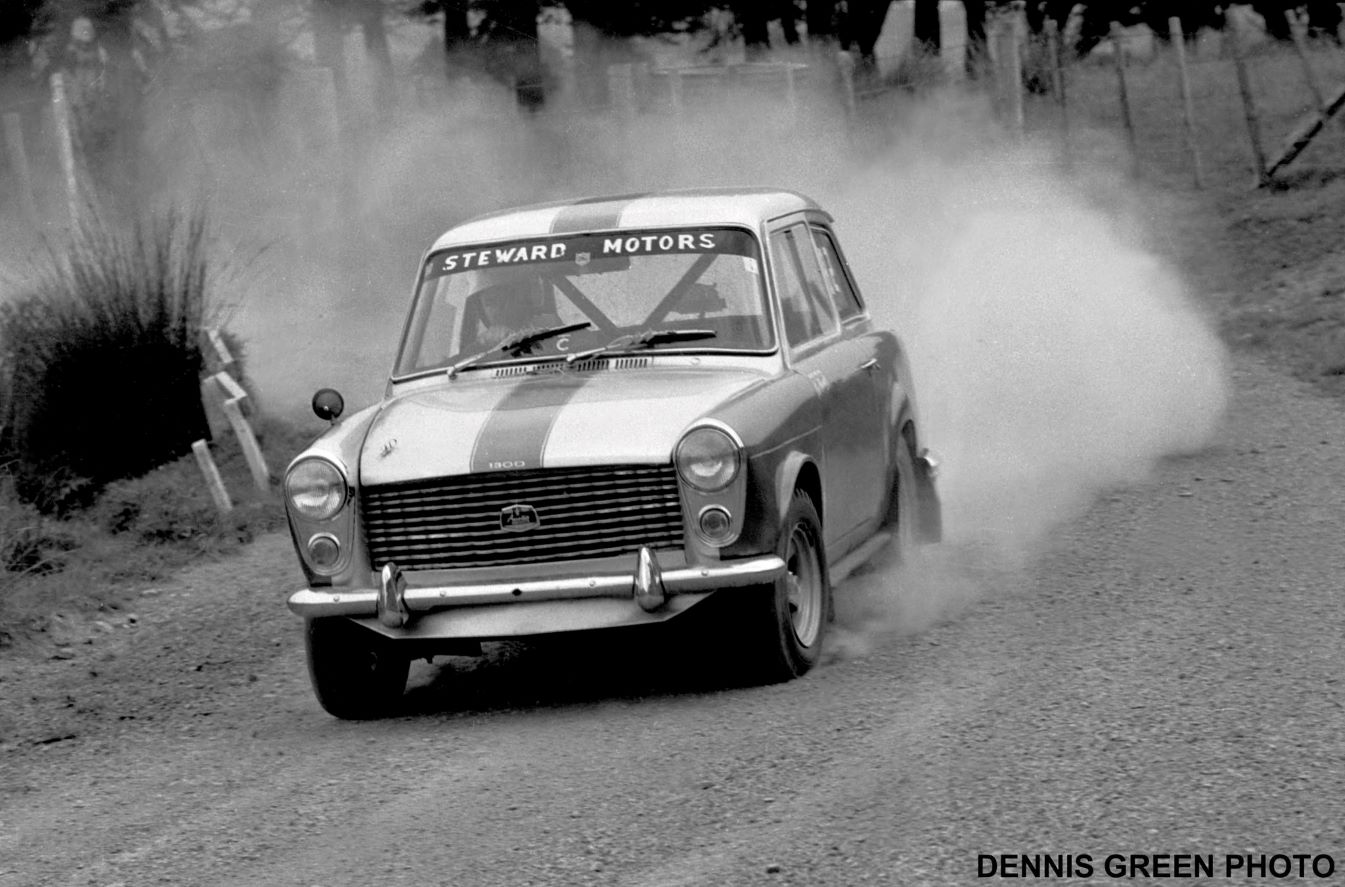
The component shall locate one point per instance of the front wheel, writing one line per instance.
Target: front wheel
(355, 672)
(787, 620)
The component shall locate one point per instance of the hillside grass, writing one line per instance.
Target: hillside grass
(1272, 260)
(137, 532)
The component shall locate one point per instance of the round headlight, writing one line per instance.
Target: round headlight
(316, 489)
(708, 458)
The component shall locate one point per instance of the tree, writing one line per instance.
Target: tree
(928, 33)
(498, 39)
(861, 26)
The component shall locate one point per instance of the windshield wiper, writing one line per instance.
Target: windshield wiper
(522, 343)
(647, 339)
(516, 345)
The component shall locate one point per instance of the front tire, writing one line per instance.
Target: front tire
(356, 674)
(787, 620)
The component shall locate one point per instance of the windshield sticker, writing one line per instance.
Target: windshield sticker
(750, 264)
(583, 250)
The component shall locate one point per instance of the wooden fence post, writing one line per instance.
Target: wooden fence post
(18, 161)
(1188, 105)
(1058, 78)
(252, 451)
(621, 87)
(1296, 28)
(65, 143)
(675, 90)
(845, 64)
(1011, 68)
(214, 483)
(1118, 47)
(1234, 31)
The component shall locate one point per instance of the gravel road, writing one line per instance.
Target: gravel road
(1166, 679)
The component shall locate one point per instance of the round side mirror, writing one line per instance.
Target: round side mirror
(328, 404)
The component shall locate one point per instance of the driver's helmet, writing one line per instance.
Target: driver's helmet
(510, 301)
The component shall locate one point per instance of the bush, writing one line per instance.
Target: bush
(100, 363)
(30, 543)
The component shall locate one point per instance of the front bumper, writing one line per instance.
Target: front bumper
(398, 601)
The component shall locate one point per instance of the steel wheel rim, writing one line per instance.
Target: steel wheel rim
(803, 586)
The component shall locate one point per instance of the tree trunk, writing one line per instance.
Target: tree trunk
(751, 18)
(928, 35)
(789, 20)
(329, 43)
(976, 46)
(862, 26)
(376, 45)
(1277, 26)
(821, 19)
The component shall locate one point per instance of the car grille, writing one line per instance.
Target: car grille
(455, 522)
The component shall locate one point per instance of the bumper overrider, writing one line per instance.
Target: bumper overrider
(396, 603)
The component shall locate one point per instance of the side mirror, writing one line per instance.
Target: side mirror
(328, 404)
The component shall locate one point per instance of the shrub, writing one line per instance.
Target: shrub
(100, 363)
(30, 543)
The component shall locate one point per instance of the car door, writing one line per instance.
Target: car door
(870, 356)
(835, 365)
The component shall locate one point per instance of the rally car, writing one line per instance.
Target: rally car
(602, 413)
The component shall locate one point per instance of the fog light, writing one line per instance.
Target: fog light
(324, 551)
(716, 524)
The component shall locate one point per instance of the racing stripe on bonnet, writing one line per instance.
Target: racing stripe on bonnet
(596, 214)
(516, 433)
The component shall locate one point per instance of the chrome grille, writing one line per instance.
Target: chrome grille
(454, 522)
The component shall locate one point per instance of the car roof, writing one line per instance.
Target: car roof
(664, 209)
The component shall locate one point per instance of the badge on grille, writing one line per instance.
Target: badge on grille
(518, 518)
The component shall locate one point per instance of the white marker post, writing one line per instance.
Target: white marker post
(252, 452)
(18, 161)
(65, 143)
(213, 481)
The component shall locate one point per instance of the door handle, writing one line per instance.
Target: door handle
(869, 365)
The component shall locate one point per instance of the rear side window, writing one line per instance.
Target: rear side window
(799, 283)
(837, 285)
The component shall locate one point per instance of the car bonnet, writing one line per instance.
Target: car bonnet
(548, 421)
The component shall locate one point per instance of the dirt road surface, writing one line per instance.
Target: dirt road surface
(1167, 679)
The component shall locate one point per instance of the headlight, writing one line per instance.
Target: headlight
(316, 489)
(708, 459)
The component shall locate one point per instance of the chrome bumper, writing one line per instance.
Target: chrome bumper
(396, 603)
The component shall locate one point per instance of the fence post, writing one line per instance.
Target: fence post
(675, 89)
(1296, 28)
(1118, 47)
(18, 161)
(1058, 78)
(621, 86)
(214, 483)
(252, 451)
(65, 143)
(1011, 67)
(1248, 100)
(1188, 105)
(845, 64)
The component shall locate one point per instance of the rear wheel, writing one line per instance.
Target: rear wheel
(355, 672)
(786, 621)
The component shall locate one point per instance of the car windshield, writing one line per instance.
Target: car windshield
(472, 299)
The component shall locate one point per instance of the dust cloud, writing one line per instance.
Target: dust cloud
(1054, 355)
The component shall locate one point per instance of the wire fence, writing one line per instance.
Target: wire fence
(1203, 110)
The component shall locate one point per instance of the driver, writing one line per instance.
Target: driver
(508, 306)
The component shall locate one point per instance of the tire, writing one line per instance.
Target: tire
(356, 675)
(786, 621)
(903, 506)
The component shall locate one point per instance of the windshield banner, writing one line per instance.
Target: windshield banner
(578, 252)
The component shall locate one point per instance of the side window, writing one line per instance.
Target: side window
(798, 283)
(833, 275)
